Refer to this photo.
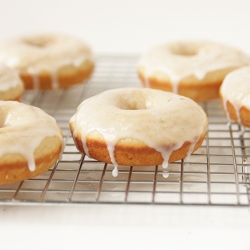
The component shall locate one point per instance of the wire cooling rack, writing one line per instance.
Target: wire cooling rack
(216, 174)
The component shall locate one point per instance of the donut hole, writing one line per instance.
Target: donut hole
(39, 42)
(133, 106)
(184, 49)
(132, 102)
(136, 100)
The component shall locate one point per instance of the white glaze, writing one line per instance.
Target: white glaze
(115, 171)
(22, 129)
(162, 120)
(54, 81)
(236, 89)
(185, 58)
(46, 52)
(8, 78)
(165, 174)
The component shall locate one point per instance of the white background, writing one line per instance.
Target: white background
(130, 26)
(127, 26)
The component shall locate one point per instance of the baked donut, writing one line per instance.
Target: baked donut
(30, 141)
(139, 127)
(235, 95)
(194, 69)
(11, 86)
(48, 61)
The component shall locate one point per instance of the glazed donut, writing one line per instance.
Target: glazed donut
(48, 61)
(194, 69)
(30, 141)
(11, 86)
(235, 95)
(138, 127)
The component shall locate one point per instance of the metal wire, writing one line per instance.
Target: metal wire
(217, 174)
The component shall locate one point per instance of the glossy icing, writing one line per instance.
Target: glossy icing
(162, 120)
(22, 129)
(46, 52)
(236, 89)
(8, 78)
(185, 58)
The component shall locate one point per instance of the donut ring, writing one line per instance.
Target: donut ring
(138, 127)
(235, 96)
(191, 68)
(11, 86)
(48, 61)
(30, 142)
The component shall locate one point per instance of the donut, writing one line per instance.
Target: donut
(194, 69)
(11, 86)
(138, 127)
(48, 61)
(30, 141)
(235, 96)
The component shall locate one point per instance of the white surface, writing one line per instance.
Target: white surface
(127, 26)
(124, 227)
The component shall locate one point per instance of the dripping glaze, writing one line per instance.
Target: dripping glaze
(235, 89)
(23, 128)
(162, 120)
(181, 59)
(44, 53)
